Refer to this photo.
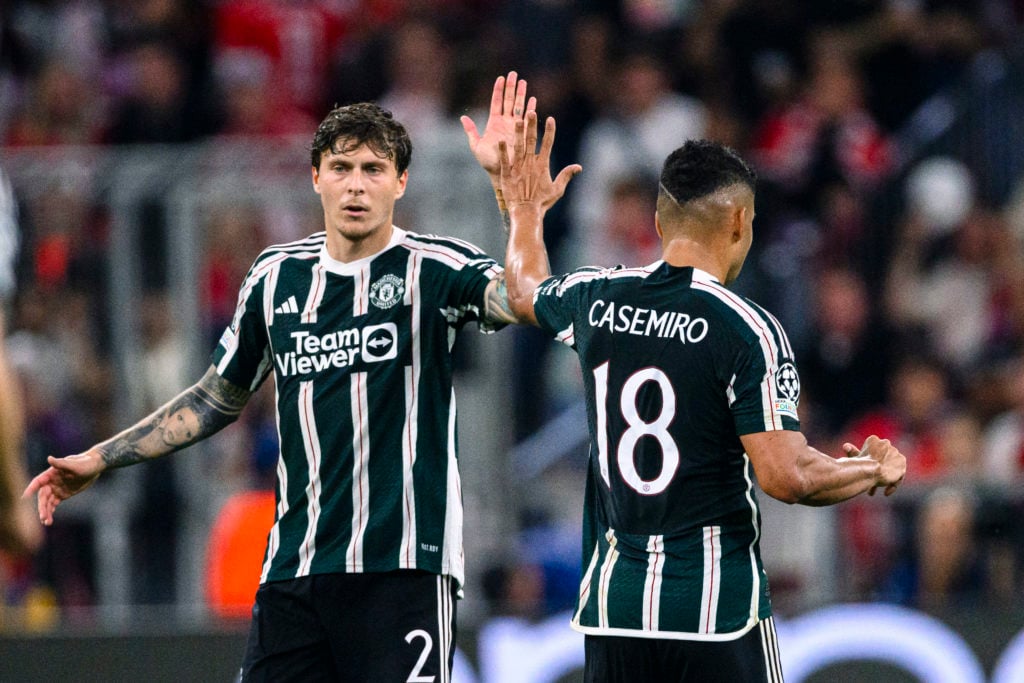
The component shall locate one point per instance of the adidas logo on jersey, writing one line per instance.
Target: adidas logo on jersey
(289, 306)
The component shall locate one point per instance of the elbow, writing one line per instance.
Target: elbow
(522, 309)
(520, 301)
(791, 489)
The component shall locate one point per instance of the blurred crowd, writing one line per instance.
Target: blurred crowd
(889, 233)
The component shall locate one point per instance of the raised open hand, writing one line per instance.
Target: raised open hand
(526, 175)
(508, 105)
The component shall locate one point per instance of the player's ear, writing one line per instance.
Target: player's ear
(657, 226)
(403, 180)
(316, 179)
(738, 222)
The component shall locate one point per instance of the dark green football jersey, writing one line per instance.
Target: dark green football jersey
(367, 478)
(676, 367)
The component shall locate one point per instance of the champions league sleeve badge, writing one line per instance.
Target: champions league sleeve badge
(787, 385)
(387, 291)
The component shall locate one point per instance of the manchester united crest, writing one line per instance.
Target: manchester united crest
(387, 291)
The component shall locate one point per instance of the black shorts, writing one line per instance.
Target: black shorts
(394, 626)
(752, 658)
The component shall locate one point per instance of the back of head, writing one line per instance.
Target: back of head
(699, 169)
(360, 124)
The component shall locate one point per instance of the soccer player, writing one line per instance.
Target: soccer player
(687, 385)
(365, 557)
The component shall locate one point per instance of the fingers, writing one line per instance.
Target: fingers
(498, 96)
(520, 101)
(509, 95)
(531, 131)
(549, 140)
(519, 146)
(850, 450)
(531, 104)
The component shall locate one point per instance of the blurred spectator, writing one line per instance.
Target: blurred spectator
(294, 44)
(920, 400)
(158, 105)
(60, 108)
(844, 362)
(1004, 435)
(251, 101)
(910, 50)
(419, 75)
(961, 452)
(231, 240)
(949, 568)
(645, 121)
(825, 135)
(627, 235)
(515, 590)
(944, 286)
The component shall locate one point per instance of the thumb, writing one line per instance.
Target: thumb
(471, 132)
(850, 450)
(565, 175)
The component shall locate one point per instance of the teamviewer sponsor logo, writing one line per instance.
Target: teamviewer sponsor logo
(380, 342)
(314, 353)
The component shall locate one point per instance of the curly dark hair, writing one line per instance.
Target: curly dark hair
(702, 167)
(362, 124)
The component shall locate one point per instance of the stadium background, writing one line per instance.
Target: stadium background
(155, 146)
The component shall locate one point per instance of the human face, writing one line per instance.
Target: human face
(358, 190)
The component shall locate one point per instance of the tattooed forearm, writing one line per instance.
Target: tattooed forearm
(198, 412)
(506, 220)
(497, 308)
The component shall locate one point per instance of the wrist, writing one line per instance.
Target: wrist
(525, 206)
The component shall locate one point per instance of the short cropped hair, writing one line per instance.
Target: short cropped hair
(700, 168)
(363, 124)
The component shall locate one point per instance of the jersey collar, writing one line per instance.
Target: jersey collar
(349, 269)
(703, 276)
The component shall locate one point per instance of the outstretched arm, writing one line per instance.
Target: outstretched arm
(792, 471)
(529, 192)
(508, 105)
(200, 411)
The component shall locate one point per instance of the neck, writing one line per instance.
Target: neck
(347, 248)
(684, 252)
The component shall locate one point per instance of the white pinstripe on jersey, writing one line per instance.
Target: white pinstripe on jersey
(316, 294)
(766, 337)
(411, 427)
(712, 578)
(360, 471)
(652, 584)
(311, 442)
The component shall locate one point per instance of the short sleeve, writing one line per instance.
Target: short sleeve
(459, 273)
(243, 354)
(557, 299)
(764, 394)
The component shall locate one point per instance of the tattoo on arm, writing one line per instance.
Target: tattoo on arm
(496, 306)
(198, 412)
